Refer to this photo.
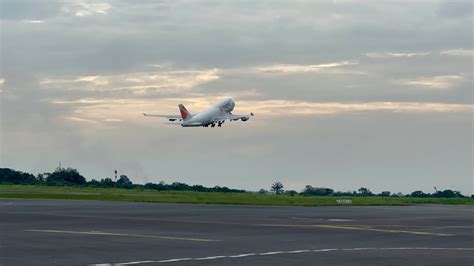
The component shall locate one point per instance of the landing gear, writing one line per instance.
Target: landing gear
(213, 124)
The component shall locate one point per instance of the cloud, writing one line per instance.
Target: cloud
(284, 107)
(84, 8)
(384, 55)
(29, 9)
(138, 83)
(456, 9)
(118, 110)
(30, 21)
(458, 52)
(435, 82)
(294, 68)
(2, 82)
(92, 81)
(78, 119)
(112, 120)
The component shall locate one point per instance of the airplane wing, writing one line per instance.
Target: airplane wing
(232, 117)
(169, 117)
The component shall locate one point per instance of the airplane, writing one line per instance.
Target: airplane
(214, 115)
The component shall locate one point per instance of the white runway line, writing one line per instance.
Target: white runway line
(325, 250)
(403, 248)
(211, 258)
(119, 234)
(271, 253)
(243, 255)
(298, 251)
(174, 260)
(136, 262)
(357, 228)
(347, 227)
(282, 252)
(349, 249)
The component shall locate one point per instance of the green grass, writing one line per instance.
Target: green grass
(144, 195)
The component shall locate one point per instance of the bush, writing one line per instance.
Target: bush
(10, 176)
(65, 176)
(124, 182)
(107, 183)
(317, 191)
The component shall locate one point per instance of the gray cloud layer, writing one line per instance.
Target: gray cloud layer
(347, 94)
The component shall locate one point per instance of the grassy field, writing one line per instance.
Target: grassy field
(144, 195)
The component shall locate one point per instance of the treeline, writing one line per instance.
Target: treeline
(309, 190)
(71, 177)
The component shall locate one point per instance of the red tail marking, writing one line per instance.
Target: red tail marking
(183, 111)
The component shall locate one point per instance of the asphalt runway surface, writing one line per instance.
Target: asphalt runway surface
(68, 232)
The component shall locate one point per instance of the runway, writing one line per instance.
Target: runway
(69, 232)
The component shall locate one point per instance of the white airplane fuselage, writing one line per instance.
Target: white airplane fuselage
(209, 116)
(214, 115)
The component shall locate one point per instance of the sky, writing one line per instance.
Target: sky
(346, 94)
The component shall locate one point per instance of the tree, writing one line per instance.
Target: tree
(93, 183)
(277, 187)
(262, 191)
(398, 195)
(107, 182)
(448, 193)
(419, 194)
(385, 194)
(10, 176)
(65, 176)
(124, 182)
(41, 177)
(341, 193)
(178, 186)
(317, 191)
(365, 192)
(291, 192)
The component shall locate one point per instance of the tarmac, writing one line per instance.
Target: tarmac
(76, 232)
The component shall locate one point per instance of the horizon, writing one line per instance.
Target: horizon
(267, 189)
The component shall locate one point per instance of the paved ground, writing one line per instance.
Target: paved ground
(62, 232)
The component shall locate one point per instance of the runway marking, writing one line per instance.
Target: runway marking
(224, 223)
(282, 252)
(243, 255)
(350, 227)
(345, 249)
(298, 251)
(120, 234)
(325, 250)
(173, 260)
(380, 230)
(137, 262)
(344, 227)
(271, 253)
(211, 258)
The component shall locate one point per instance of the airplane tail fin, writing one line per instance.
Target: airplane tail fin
(185, 115)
